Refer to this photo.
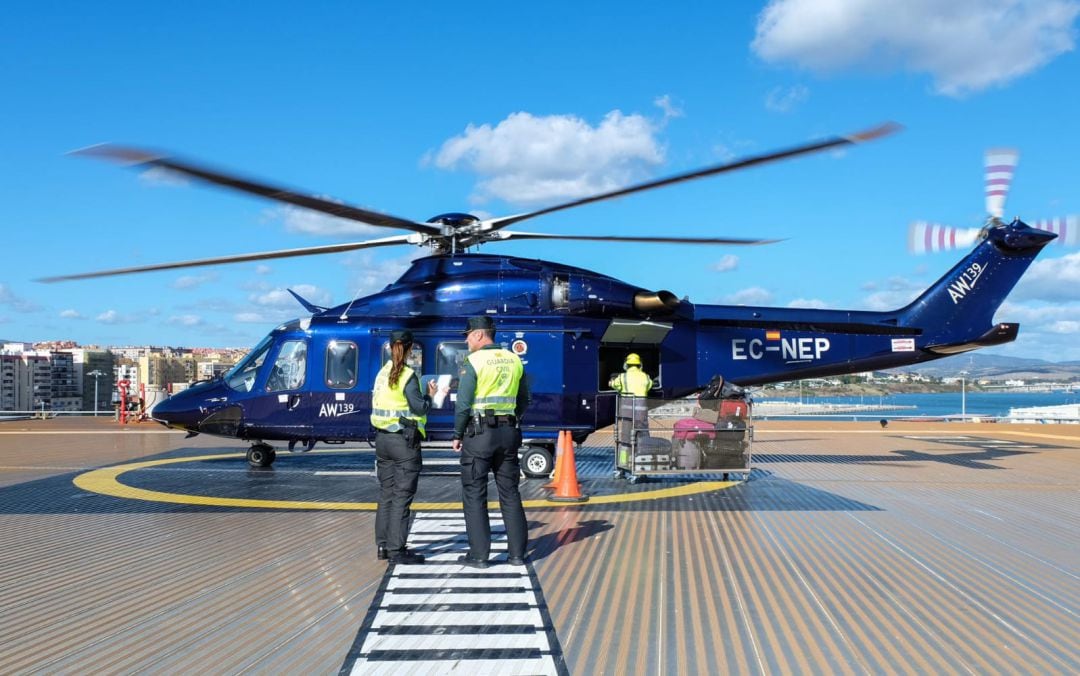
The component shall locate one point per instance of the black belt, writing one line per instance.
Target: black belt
(379, 429)
(500, 421)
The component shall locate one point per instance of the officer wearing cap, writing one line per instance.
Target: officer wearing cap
(632, 381)
(398, 414)
(492, 396)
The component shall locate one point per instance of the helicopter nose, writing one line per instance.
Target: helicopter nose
(180, 411)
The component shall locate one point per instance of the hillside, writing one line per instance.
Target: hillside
(997, 367)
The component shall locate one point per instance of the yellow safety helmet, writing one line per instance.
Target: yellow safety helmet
(633, 360)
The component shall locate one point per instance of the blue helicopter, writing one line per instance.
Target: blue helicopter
(309, 380)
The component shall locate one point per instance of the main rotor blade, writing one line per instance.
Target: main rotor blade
(806, 149)
(242, 258)
(513, 234)
(136, 157)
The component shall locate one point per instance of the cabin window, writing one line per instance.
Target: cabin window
(288, 371)
(414, 360)
(341, 362)
(242, 376)
(450, 359)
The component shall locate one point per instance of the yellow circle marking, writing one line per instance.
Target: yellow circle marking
(106, 481)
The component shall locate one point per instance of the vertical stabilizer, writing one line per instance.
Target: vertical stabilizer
(959, 308)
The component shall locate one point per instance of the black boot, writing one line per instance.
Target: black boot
(383, 554)
(405, 556)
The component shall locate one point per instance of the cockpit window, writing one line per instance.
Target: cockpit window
(242, 376)
(341, 362)
(289, 367)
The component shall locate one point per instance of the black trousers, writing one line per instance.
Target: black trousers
(397, 465)
(494, 450)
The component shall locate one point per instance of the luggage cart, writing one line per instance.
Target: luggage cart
(657, 437)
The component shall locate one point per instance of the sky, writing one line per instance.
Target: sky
(417, 109)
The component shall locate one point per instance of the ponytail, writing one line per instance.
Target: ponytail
(398, 350)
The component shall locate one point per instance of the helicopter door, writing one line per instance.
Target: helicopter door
(624, 336)
(287, 403)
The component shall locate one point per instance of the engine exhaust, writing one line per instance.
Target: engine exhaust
(655, 301)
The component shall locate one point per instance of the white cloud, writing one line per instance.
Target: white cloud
(1048, 330)
(726, 264)
(114, 317)
(965, 45)
(371, 273)
(253, 318)
(277, 305)
(281, 299)
(815, 303)
(527, 159)
(670, 109)
(262, 269)
(194, 281)
(754, 295)
(786, 99)
(72, 314)
(1055, 279)
(186, 320)
(890, 294)
(16, 303)
(308, 222)
(1070, 327)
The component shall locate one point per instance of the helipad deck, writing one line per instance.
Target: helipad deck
(925, 548)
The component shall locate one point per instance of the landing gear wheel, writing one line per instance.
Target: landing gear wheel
(536, 462)
(261, 455)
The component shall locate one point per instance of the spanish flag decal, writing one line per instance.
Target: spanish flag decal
(772, 335)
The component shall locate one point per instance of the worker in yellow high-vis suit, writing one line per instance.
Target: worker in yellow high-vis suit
(632, 381)
(492, 396)
(399, 416)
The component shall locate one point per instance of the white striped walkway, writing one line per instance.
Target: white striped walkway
(444, 618)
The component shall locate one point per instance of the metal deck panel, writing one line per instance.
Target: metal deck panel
(921, 548)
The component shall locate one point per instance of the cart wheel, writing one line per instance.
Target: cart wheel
(633, 479)
(619, 474)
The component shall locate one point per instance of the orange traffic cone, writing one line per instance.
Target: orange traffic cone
(568, 488)
(560, 447)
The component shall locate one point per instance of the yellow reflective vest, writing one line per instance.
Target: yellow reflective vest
(498, 376)
(633, 381)
(389, 403)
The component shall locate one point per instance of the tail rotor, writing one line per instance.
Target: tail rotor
(1000, 166)
(925, 237)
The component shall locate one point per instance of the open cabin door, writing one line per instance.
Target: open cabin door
(624, 336)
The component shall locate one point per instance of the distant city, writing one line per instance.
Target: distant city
(62, 376)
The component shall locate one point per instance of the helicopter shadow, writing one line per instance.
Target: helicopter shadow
(979, 454)
(545, 545)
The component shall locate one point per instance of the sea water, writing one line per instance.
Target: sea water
(942, 404)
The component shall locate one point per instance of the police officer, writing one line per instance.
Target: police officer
(398, 414)
(492, 396)
(632, 381)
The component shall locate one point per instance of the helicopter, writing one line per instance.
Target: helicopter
(309, 380)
